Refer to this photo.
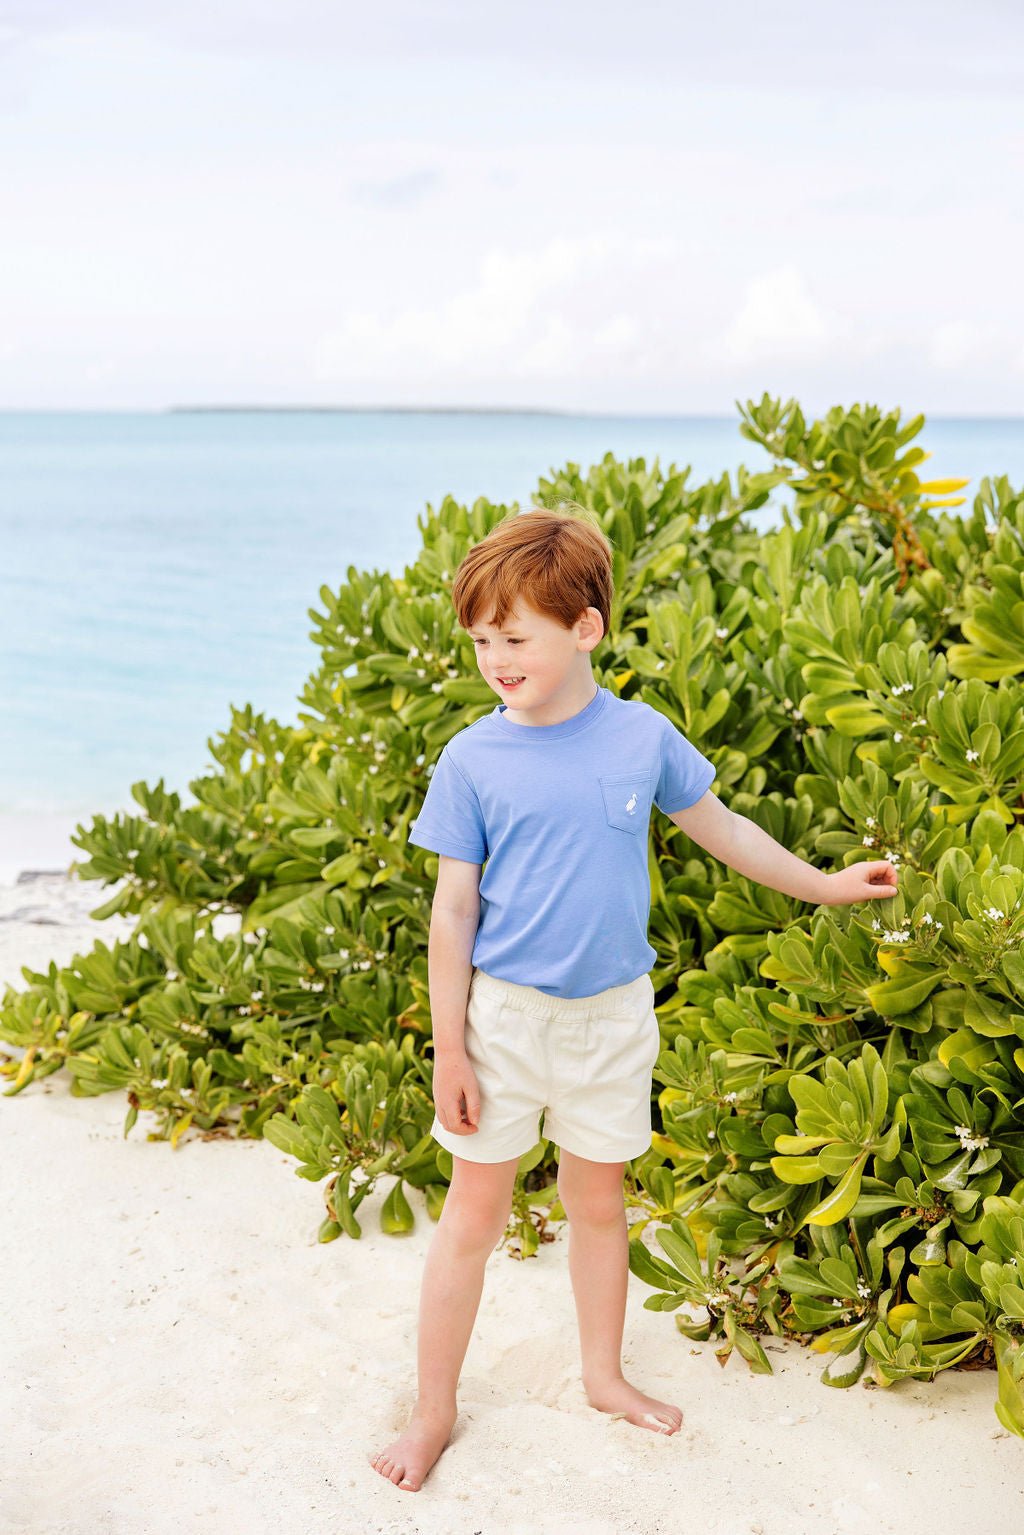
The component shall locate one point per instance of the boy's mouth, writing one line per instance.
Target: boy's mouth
(510, 682)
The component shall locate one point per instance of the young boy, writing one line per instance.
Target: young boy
(540, 996)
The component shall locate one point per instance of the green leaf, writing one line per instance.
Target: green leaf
(396, 1217)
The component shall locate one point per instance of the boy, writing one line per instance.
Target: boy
(540, 998)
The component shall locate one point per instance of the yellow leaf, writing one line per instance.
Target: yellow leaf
(837, 1205)
(942, 487)
(180, 1129)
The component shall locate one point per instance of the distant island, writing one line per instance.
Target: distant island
(381, 410)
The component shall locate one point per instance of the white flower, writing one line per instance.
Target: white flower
(731, 1097)
(875, 922)
(382, 863)
(940, 692)
(896, 936)
(721, 633)
(870, 821)
(414, 652)
(658, 665)
(927, 917)
(968, 1141)
(897, 735)
(972, 756)
(435, 687)
(990, 911)
(158, 1082)
(797, 715)
(373, 768)
(893, 858)
(711, 1135)
(868, 842)
(863, 1290)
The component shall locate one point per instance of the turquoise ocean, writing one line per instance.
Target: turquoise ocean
(156, 568)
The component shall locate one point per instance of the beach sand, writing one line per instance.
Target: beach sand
(177, 1344)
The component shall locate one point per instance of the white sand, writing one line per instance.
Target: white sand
(178, 1344)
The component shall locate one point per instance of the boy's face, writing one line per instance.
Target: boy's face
(531, 645)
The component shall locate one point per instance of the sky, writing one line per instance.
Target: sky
(571, 206)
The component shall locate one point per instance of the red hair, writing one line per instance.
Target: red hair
(559, 562)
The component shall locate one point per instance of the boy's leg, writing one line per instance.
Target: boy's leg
(474, 1216)
(591, 1195)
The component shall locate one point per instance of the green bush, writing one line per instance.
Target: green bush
(839, 1146)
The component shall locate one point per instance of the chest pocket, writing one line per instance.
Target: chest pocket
(627, 799)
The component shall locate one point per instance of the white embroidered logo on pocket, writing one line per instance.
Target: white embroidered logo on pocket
(631, 804)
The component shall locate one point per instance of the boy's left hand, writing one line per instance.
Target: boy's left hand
(876, 879)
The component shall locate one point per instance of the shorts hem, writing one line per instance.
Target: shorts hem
(465, 1142)
(594, 1153)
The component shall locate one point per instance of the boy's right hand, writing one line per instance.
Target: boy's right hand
(456, 1093)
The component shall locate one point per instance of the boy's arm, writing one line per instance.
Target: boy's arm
(748, 849)
(454, 919)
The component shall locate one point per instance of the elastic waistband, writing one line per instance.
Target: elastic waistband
(614, 1002)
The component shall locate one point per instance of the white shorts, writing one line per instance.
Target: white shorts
(585, 1062)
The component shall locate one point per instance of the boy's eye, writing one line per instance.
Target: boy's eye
(511, 642)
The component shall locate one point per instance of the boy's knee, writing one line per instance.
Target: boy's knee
(475, 1220)
(593, 1209)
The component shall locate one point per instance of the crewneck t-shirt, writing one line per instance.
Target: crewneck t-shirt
(558, 815)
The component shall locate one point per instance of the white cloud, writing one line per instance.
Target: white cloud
(539, 312)
(955, 344)
(778, 321)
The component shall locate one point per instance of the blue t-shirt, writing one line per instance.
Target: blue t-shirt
(558, 815)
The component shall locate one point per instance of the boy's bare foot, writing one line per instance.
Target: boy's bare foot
(408, 1458)
(624, 1401)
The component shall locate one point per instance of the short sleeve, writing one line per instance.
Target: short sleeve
(450, 819)
(685, 772)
